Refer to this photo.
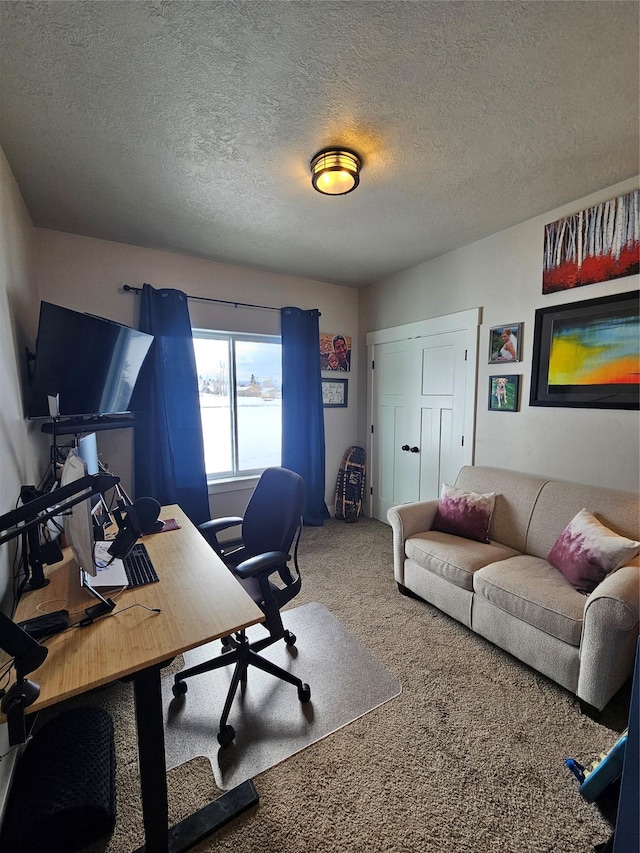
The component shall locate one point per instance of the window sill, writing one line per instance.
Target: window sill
(232, 484)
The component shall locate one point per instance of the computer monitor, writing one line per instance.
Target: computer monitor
(79, 530)
(78, 524)
(88, 451)
(87, 447)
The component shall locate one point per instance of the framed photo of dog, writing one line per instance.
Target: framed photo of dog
(504, 393)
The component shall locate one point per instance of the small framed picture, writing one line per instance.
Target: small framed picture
(504, 393)
(505, 343)
(100, 515)
(334, 393)
(335, 351)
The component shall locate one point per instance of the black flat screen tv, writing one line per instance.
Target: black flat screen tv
(90, 363)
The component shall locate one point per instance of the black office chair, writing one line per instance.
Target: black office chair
(271, 523)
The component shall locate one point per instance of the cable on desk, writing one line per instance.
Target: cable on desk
(50, 601)
(89, 620)
(144, 606)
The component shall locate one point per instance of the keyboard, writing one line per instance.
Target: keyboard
(139, 568)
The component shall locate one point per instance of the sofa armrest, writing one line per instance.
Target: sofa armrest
(406, 520)
(609, 636)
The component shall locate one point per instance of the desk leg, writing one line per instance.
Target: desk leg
(151, 759)
(153, 780)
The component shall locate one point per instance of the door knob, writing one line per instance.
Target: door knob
(415, 450)
(405, 447)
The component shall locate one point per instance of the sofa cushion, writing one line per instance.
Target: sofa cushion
(463, 513)
(559, 502)
(586, 551)
(516, 495)
(532, 590)
(453, 558)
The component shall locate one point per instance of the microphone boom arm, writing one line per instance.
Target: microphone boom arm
(54, 503)
(25, 651)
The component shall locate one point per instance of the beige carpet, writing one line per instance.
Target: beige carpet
(469, 758)
(271, 724)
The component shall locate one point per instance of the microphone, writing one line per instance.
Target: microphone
(27, 655)
(26, 652)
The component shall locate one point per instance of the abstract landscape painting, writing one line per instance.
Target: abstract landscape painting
(587, 354)
(597, 244)
(596, 351)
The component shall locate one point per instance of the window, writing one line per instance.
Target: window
(240, 382)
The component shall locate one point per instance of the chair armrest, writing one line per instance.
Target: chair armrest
(218, 524)
(210, 530)
(405, 521)
(261, 565)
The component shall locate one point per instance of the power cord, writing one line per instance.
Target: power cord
(144, 607)
(43, 604)
(89, 620)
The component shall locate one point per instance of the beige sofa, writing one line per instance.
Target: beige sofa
(506, 590)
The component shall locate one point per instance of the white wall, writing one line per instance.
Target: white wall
(22, 450)
(87, 275)
(502, 274)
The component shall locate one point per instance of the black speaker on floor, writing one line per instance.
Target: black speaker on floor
(63, 797)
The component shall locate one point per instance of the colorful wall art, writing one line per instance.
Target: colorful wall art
(335, 351)
(597, 244)
(587, 354)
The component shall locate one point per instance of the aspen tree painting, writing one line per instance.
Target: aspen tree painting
(597, 244)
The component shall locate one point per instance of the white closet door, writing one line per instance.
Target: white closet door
(422, 406)
(395, 470)
(443, 402)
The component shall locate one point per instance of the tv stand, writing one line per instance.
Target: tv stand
(61, 425)
(95, 423)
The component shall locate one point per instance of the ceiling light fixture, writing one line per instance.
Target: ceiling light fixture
(335, 171)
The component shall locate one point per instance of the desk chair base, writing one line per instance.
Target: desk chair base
(238, 650)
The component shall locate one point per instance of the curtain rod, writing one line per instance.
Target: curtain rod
(130, 289)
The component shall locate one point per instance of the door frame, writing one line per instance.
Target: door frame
(469, 321)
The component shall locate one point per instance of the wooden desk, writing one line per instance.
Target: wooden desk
(200, 601)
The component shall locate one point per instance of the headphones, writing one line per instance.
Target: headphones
(148, 510)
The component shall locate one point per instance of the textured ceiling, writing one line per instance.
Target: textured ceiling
(190, 125)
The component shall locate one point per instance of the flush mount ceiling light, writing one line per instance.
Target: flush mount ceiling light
(335, 171)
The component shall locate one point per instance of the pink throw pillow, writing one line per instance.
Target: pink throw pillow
(586, 552)
(466, 514)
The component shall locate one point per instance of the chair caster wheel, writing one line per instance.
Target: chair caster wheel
(304, 693)
(226, 736)
(289, 638)
(179, 689)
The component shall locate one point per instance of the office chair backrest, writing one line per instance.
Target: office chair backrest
(273, 514)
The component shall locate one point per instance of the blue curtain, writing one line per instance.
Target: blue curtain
(303, 448)
(169, 452)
